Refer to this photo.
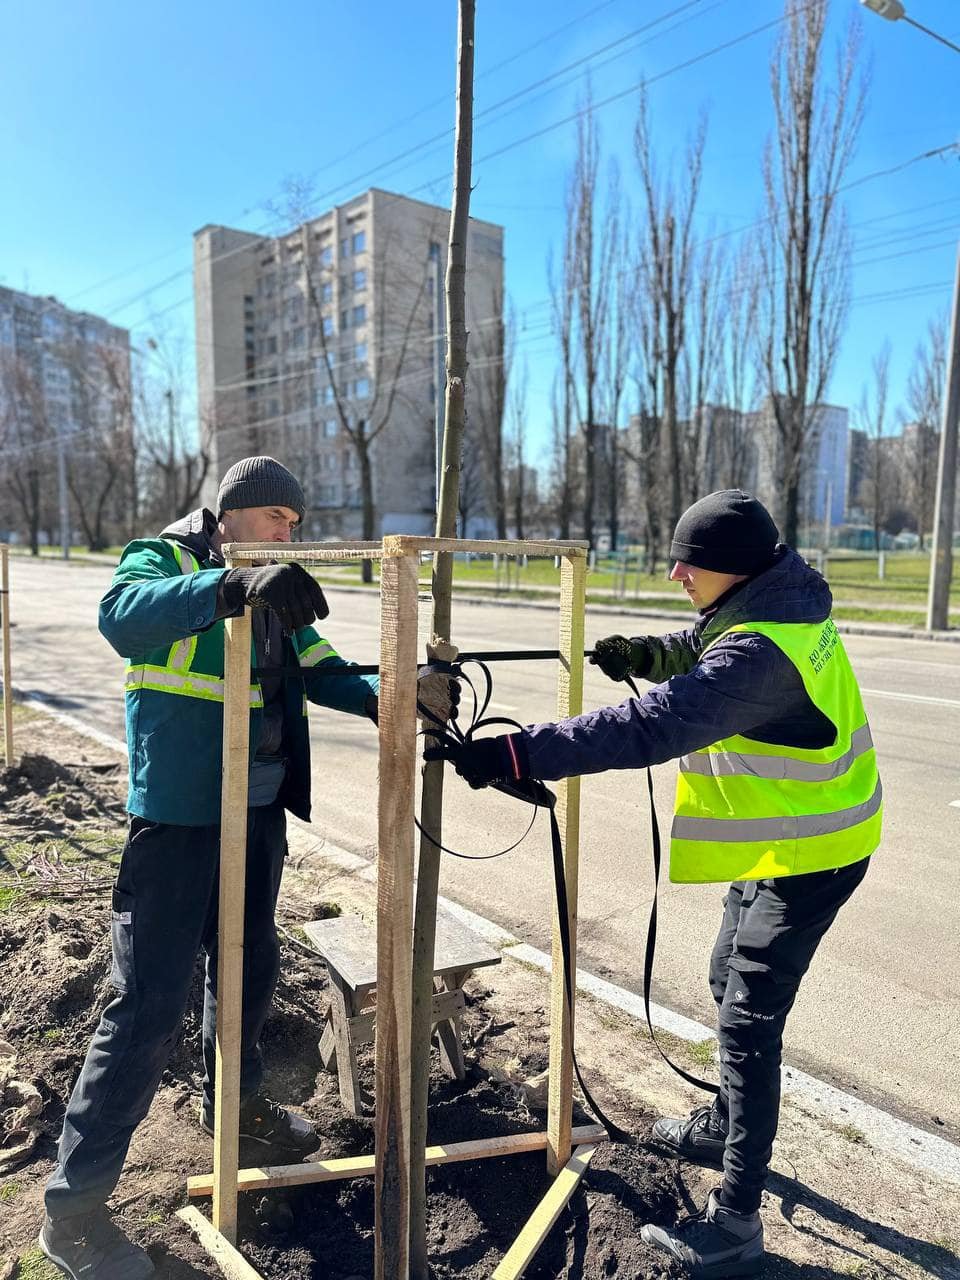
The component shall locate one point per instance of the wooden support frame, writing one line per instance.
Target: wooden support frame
(399, 557)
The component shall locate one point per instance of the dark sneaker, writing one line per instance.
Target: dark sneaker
(92, 1247)
(712, 1243)
(262, 1120)
(700, 1138)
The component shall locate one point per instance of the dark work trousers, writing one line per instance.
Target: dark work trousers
(164, 912)
(770, 932)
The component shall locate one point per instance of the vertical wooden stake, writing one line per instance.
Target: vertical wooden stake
(233, 862)
(398, 758)
(569, 703)
(7, 686)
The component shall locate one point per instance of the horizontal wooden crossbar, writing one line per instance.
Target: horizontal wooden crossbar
(230, 1261)
(298, 1175)
(398, 545)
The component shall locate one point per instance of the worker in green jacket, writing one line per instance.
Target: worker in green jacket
(164, 613)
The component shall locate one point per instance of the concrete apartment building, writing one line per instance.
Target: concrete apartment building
(64, 389)
(325, 348)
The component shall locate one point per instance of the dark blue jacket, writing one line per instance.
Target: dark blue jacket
(744, 684)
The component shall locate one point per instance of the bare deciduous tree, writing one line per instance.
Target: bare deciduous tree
(667, 256)
(494, 342)
(516, 451)
(876, 490)
(921, 435)
(28, 442)
(591, 233)
(806, 251)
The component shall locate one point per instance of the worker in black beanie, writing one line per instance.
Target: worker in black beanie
(777, 795)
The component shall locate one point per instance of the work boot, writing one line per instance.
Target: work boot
(714, 1242)
(262, 1120)
(91, 1246)
(700, 1138)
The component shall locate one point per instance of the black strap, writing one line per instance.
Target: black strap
(650, 949)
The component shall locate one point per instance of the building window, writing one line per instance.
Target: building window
(326, 291)
(345, 247)
(361, 388)
(433, 392)
(273, 408)
(330, 428)
(326, 255)
(359, 280)
(328, 326)
(359, 241)
(328, 396)
(360, 351)
(359, 314)
(434, 251)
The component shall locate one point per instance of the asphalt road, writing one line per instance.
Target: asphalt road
(879, 1012)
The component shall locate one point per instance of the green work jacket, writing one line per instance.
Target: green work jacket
(160, 614)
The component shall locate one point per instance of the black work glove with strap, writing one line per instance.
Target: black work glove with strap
(618, 657)
(287, 589)
(483, 760)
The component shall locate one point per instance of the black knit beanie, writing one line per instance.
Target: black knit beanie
(260, 482)
(727, 531)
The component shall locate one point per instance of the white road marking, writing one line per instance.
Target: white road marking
(911, 697)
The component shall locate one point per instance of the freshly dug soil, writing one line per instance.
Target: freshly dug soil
(54, 967)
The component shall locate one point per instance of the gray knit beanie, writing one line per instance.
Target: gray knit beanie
(260, 482)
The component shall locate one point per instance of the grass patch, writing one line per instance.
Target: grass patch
(702, 1052)
(9, 1191)
(32, 1265)
(9, 897)
(327, 910)
(852, 1134)
(52, 1035)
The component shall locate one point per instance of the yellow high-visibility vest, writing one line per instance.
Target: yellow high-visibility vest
(749, 810)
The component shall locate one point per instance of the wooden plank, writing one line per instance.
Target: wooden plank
(7, 680)
(311, 552)
(485, 546)
(233, 859)
(349, 945)
(398, 757)
(303, 1174)
(520, 1254)
(233, 1264)
(569, 703)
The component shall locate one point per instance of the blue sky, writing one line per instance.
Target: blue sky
(123, 130)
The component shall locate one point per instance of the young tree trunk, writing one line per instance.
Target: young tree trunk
(431, 812)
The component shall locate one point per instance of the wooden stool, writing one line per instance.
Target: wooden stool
(349, 949)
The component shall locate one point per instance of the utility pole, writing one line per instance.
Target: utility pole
(941, 559)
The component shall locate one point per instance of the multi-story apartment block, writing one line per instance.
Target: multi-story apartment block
(72, 359)
(325, 348)
(64, 391)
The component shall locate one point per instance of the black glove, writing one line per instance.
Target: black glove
(287, 589)
(483, 761)
(617, 657)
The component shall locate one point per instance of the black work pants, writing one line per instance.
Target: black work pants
(769, 934)
(164, 913)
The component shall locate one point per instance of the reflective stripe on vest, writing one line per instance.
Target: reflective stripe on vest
(175, 676)
(191, 685)
(732, 764)
(790, 827)
(751, 810)
(181, 654)
(317, 653)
